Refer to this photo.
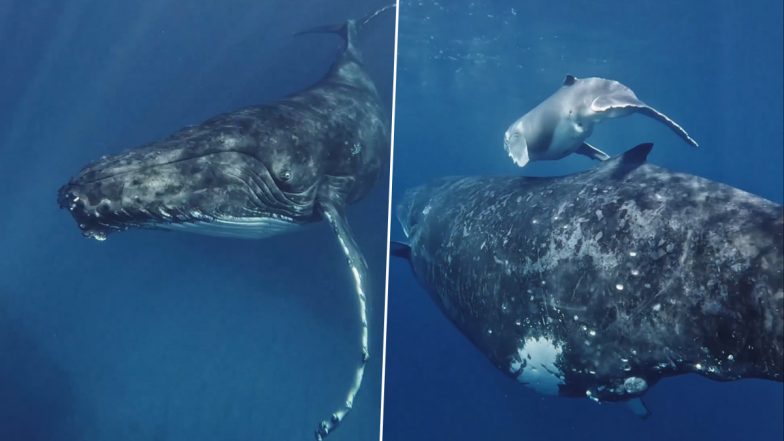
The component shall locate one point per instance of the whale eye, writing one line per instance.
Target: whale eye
(285, 175)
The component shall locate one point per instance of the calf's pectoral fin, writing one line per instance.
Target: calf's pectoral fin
(608, 103)
(592, 152)
(655, 114)
(332, 211)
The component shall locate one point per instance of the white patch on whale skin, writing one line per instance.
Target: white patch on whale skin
(635, 385)
(535, 364)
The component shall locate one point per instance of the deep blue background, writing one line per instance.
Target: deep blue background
(466, 70)
(166, 336)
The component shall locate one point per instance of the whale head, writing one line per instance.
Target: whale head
(204, 181)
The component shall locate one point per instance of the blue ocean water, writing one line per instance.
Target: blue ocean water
(468, 69)
(167, 336)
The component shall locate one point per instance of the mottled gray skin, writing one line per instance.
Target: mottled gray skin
(278, 161)
(255, 173)
(639, 272)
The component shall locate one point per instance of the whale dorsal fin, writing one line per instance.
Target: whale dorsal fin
(622, 165)
(569, 80)
(637, 155)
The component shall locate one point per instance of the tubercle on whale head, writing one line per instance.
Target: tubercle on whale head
(96, 218)
(68, 199)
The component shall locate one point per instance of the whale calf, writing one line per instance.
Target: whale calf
(559, 125)
(599, 284)
(255, 172)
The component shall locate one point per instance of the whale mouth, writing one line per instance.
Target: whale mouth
(210, 194)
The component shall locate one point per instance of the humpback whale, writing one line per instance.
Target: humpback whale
(255, 172)
(559, 125)
(600, 284)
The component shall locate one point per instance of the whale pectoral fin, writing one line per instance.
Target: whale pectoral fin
(655, 114)
(337, 221)
(592, 152)
(638, 407)
(332, 211)
(625, 103)
(517, 148)
(399, 249)
(619, 103)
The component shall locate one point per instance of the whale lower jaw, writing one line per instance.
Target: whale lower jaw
(236, 227)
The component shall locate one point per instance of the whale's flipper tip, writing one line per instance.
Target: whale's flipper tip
(368, 18)
(400, 249)
(638, 408)
(666, 120)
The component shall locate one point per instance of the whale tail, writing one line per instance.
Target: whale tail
(349, 29)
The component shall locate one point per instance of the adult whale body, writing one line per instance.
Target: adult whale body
(559, 125)
(254, 173)
(601, 283)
